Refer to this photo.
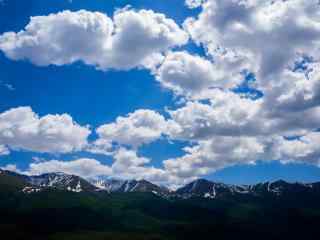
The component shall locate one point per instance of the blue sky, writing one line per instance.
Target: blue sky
(97, 97)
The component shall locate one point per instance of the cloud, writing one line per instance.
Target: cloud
(297, 90)
(137, 128)
(227, 114)
(303, 149)
(11, 167)
(194, 3)
(231, 114)
(84, 167)
(140, 37)
(193, 76)
(127, 165)
(202, 158)
(232, 129)
(4, 150)
(22, 129)
(132, 39)
(257, 31)
(46, 39)
(246, 37)
(214, 154)
(227, 130)
(8, 86)
(220, 152)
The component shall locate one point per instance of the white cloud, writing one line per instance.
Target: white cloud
(220, 152)
(4, 150)
(228, 114)
(140, 37)
(84, 167)
(60, 38)
(21, 128)
(138, 128)
(296, 91)
(11, 167)
(8, 86)
(194, 3)
(132, 39)
(128, 158)
(194, 76)
(214, 154)
(128, 165)
(260, 30)
(204, 157)
(304, 149)
(231, 129)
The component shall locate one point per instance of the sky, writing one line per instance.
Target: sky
(168, 91)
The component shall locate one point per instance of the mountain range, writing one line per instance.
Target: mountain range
(199, 188)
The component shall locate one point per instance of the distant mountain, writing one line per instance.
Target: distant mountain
(107, 184)
(61, 181)
(142, 186)
(208, 189)
(115, 185)
(198, 188)
(203, 188)
(30, 184)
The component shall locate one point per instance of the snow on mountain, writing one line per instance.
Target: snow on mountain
(204, 188)
(198, 188)
(61, 181)
(208, 189)
(106, 184)
(142, 186)
(115, 185)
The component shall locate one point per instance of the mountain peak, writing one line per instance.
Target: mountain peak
(61, 181)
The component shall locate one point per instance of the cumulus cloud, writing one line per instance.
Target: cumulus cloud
(11, 167)
(232, 129)
(303, 149)
(132, 39)
(194, 3)
(46, 39)
(214, 154)
(140, 37)
(241, 37)
(22, 129)
(228, 114)
(297, 90)
(126, 165)
(220, 152)
(137, 128)
(4, 150)
(84, 167)
(193, 76)
(257, 31)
